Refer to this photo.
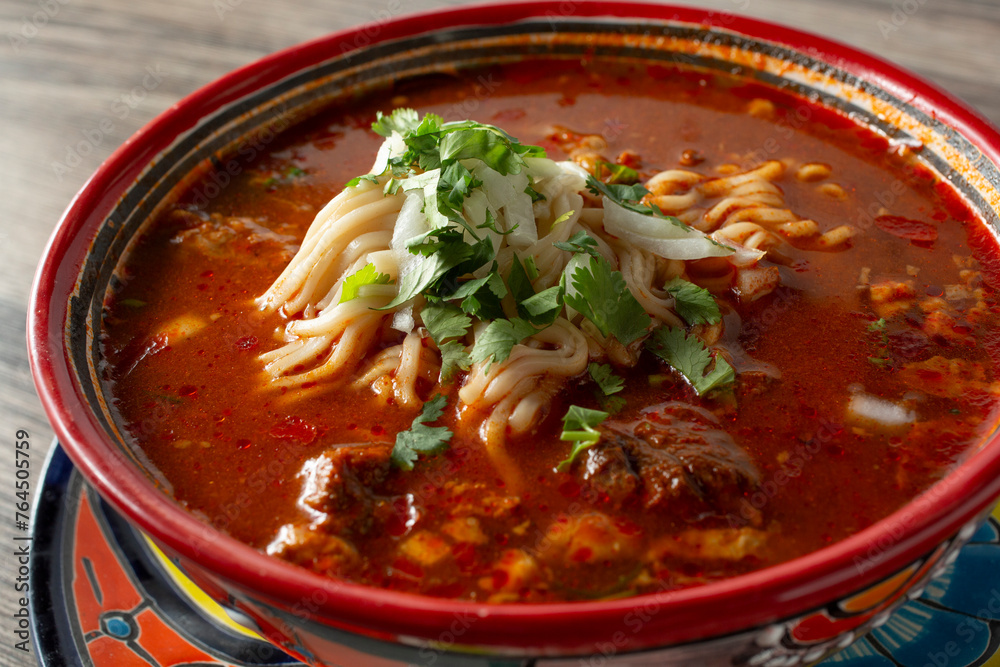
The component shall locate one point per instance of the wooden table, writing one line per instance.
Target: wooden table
(78, 77)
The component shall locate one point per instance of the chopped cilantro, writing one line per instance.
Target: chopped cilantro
(400, 120)
(623, 195)
(367, 275)
(579, 242)
(695, 304)
(519, 282)
(613, 404)
(530, 267)
(617, 173)
(444, 321)
(579, 427)
(499, 338)
(454, 358)
(294, 172)
(689, 357)
(563, 218)
(602, 296)
(629, 197)
(420, 438)
(540, 309)
(443, 258)
(882, 357)
(605, 377)
(371, 178)
(543, 308)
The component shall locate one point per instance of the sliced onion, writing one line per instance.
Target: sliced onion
(871, 409)
(402, 319)
(742, 256)
(659, 236)
(410, 223)
(393, 145)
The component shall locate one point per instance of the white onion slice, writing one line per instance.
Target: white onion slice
(871, 409)
(410, 223)
(659, 236)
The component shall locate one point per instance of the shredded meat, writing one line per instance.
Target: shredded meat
(675, 460)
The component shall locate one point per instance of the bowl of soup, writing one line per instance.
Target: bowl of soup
(538, 334)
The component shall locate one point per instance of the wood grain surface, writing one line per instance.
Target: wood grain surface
(78, 77)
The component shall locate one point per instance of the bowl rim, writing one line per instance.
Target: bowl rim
(748, 601)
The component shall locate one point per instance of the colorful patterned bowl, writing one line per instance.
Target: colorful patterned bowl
(796, 612)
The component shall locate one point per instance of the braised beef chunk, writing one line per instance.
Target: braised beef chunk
(319, 551)
(340, 496)
(675, 459)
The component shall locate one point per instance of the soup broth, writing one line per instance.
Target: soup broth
(864, 367)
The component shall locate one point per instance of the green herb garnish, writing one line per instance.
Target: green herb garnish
(421, 439)
(579, 427)
(499, 338)
(689, 357)
(605, 377)
(366, 275)
(695, 304)
(602, 296)
(882, 357)
(617, 173)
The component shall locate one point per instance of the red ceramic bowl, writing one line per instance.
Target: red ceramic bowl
(798, 610)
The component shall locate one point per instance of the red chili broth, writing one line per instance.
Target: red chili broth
(820, 479)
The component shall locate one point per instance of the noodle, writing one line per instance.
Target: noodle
(336, 341)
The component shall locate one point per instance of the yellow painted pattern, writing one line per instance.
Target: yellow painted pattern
(198, 596)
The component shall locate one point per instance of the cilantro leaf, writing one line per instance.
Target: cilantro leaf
(481, 297)
(444, 321)
(579, 242)
(629, 197)
(434, 266)
(543, 308)
(483, 144)
(613, 404)
(531, 267)
(606, 380)
(563, 218)
(689, 357)
(518, 282)
(624, 195)
(618, 173)
(366, 275)
(603, 297)
(695, 304)
(402, 120)
(498, 339)
(373, 178)
(453, 359)
(420, 438)
(579, 427)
